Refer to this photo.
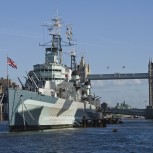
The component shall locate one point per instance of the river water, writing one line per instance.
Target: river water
(133, 136)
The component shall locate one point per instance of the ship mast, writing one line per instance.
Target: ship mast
(56, 38)
(69, 35)
(54, 51)
(73, 60)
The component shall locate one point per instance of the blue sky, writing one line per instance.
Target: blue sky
(108, 32)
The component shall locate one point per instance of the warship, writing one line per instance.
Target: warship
(53, 95)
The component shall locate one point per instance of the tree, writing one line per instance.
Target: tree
(104, 106)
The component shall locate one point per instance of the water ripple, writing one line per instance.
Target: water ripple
(131, 137)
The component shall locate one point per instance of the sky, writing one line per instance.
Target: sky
(112, 33)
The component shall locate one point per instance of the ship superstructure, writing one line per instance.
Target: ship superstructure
(54, 95)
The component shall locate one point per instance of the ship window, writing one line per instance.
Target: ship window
(47, 70)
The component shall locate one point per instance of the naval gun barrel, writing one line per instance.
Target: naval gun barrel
(23, 87)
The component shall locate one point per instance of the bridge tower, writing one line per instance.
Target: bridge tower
(150, 79)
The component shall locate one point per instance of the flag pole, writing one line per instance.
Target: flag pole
(10, 62)
(7, 73)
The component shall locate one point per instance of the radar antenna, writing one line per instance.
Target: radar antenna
(69, 33)
(55, 26)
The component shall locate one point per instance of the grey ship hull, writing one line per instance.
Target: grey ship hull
(32, 111)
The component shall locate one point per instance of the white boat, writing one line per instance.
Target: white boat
(54, 95)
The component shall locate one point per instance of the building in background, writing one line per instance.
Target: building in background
(4, 84)
(122, 106)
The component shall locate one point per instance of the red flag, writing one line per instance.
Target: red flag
(10, 62)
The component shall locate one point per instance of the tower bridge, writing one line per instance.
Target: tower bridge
(117, 76)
